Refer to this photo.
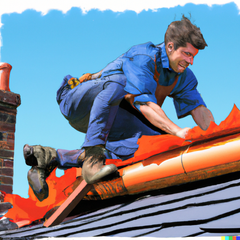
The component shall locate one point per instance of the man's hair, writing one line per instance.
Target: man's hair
(183, 32)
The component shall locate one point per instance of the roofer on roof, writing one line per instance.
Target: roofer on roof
(145, 75)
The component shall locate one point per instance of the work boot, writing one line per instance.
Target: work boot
(4, 206)
(43, 161)
(37, 181)
(103, 172)
(42, 157)
(6, 224)
(94, 167)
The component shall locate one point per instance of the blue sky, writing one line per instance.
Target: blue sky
(44, 48)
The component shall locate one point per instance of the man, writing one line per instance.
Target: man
(144, 76)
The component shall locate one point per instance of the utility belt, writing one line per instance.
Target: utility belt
(70, 82)
(73, 82)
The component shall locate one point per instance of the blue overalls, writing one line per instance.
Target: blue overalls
(92, 107)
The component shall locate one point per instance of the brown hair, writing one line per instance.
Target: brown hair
(183, 32)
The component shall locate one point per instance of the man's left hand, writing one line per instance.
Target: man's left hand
(183, 132)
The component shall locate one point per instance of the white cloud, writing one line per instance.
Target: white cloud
(44, 6)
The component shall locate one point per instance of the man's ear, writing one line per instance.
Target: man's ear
(170, 47)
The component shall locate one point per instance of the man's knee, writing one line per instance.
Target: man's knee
(113, 92)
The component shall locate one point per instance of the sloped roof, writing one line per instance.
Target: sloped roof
(205, 208)
(208, 207)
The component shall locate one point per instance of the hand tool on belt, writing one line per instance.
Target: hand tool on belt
(73, 82)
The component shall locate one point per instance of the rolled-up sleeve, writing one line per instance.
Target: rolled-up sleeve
(186, 96)
(139, 71)
(142, 99)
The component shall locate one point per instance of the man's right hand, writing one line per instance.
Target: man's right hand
(183, 132)
(85, 77)
(158, 118)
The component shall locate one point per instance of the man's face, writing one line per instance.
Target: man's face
(180, 59)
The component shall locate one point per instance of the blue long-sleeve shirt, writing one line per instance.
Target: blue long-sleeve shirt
(136, 70)
(139, 65)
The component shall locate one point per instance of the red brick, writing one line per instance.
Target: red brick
(7, 117)
(7, 136)
(6, 154)
(10, 98)
(8, 145)
(8, 127)
(7, 163)
(6, 171)
(6, 180)
(10, 136)
(8, 110)
(6, 188)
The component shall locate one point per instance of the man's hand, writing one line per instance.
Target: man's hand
(85, 77)
(90, 76)
(158, 118)
(183, 132)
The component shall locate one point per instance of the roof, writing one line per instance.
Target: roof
(209, 207)
(204, 208)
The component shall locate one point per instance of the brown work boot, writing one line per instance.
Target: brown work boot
(37, 181)
(4, 206)
(94, 168)
(43, 162)
(6, 224)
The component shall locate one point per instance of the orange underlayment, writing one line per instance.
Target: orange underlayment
(26, 210)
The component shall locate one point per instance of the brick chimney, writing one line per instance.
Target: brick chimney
(9, 102)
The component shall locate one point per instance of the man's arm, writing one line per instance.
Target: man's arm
(97, 75)
(202, 117)
(158, 118)
(90, 76)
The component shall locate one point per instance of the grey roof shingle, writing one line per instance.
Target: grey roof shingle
(205, 208)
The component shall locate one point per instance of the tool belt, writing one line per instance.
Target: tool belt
(73, 82)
